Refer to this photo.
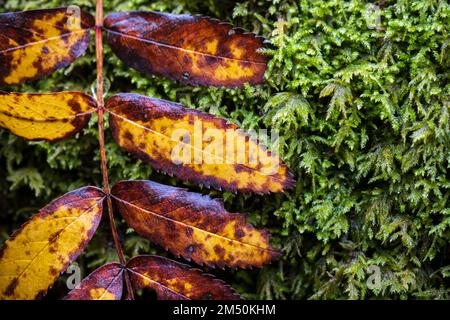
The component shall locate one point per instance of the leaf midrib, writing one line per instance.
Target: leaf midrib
(119, 274)
(41, 41)
(55, 238)
(50, 119)
(193, 227)
(161, 44)
(275, 177)
(158, 283)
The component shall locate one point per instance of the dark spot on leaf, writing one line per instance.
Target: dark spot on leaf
(53, 271)
(189, 250)
(189, 232)
(128, 136)
(53, 248)
(210, 60)
(11, 287)
(52, 237)
(74, 105)
(219, 251)
(238, 233)
(187, 59)
(206, 296)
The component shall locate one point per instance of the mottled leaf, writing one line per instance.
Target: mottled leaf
(32, 259)
(105, 283)
(192, 225)
(175, 281)
(35, 43)
(194, 145)
(48, 116)
(192, 49)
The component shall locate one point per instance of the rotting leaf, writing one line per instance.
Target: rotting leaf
(35, 255)
(104, 283)
(191, 49)
(175, 281)
(192, 225)
(35, 43)
(48, 116)
(194, 145)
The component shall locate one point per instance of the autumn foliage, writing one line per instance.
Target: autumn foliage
(190, 49)
(196, 50)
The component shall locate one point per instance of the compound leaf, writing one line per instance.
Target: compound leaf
(32, 259)
(192, 49)
(48, 116)
(104, 283)
(35, 43)
(194, 145)
(192, 225)
(175, 281)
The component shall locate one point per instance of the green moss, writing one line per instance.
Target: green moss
(361, 97)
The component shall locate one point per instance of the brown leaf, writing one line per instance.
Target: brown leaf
(105, 283)
(194, 145)
(32, 259)
(192, 225)
(45, 116)
(35, 43)
(192, 49)
(175, 281)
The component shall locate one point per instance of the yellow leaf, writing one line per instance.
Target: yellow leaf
(48, 116)
(191, 225)
(36, 43)
(194, 145)
(34, 257)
